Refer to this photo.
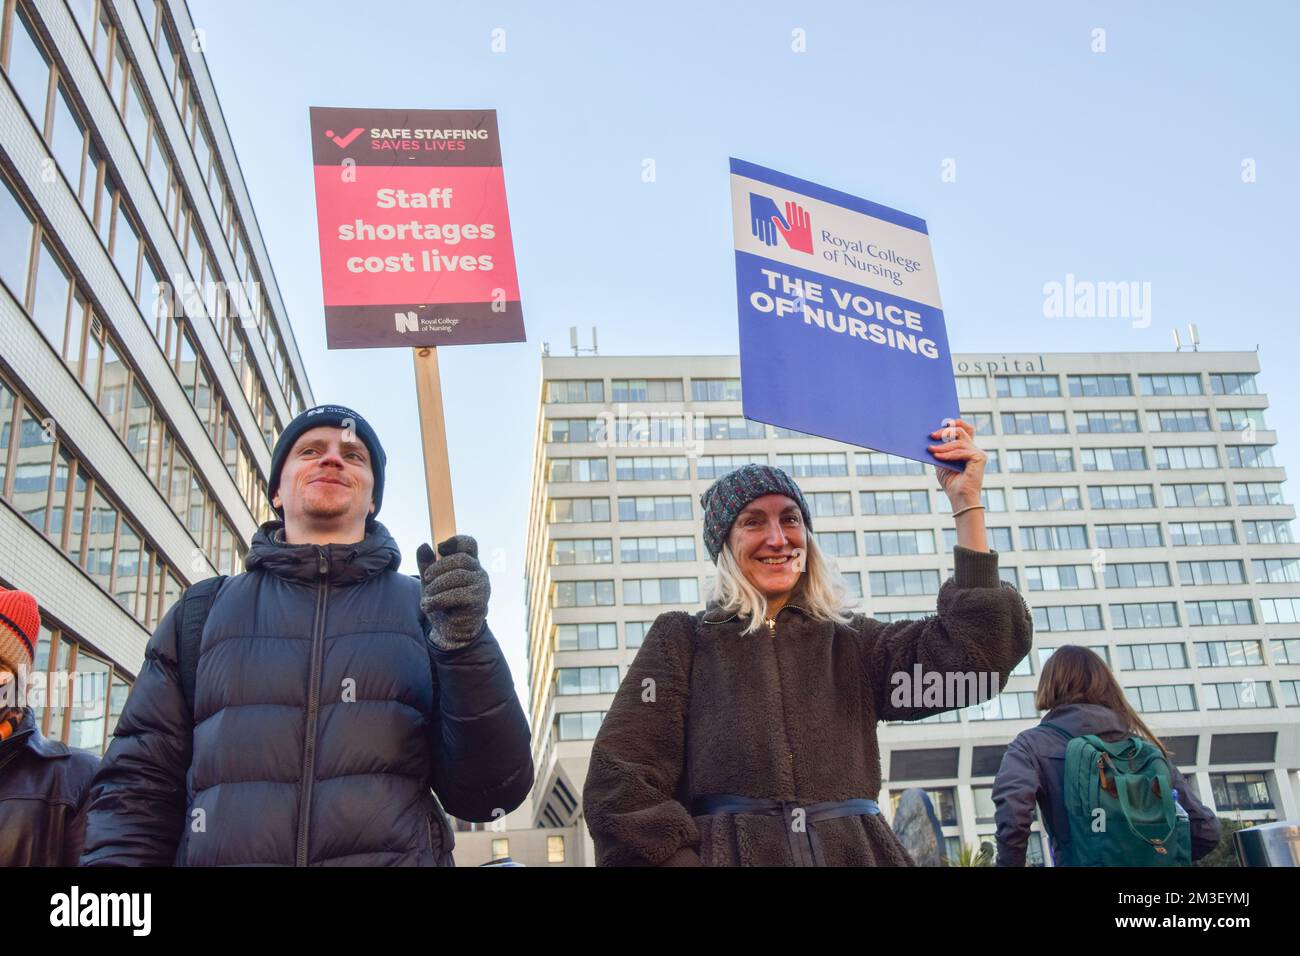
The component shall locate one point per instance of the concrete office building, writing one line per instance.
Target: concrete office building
(1133, 498)
(147, 365)
(516, 839)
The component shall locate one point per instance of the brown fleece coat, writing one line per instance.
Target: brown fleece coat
(785, 714)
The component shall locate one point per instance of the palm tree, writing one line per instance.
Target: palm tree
(967, 855)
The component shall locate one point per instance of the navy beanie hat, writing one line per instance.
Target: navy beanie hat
(726, 498)
(337, 416)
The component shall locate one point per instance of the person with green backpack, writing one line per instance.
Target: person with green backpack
(1107, 787)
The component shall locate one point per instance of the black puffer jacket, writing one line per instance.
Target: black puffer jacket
(42, 795)
(323, 715)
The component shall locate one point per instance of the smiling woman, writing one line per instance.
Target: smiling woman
(769, 555)
(759, 747)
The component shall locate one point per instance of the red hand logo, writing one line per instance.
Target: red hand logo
(799, 235)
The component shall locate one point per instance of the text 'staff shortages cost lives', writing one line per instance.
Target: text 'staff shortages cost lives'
(414, 233)
(841, 328)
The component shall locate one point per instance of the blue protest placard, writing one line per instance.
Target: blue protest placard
(841, 327)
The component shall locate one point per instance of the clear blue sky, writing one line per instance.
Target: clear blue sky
(1115, 166)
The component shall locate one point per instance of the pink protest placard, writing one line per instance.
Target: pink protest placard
(414, 230)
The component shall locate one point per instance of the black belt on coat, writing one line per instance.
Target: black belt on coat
(804, 844)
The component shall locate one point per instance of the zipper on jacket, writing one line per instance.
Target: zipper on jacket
(313, 706)
(771, 629)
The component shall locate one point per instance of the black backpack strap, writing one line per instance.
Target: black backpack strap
(196, 602)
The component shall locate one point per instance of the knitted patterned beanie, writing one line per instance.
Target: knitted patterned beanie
(727, 497)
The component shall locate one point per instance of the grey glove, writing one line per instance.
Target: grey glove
(454, 591)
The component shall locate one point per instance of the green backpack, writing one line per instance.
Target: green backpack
(1140, 822)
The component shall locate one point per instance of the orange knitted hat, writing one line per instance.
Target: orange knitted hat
(20, 627)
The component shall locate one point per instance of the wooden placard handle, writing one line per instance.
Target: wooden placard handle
(433, 434)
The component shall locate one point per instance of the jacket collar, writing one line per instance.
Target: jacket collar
(1086, 719)
(344, 563)
(28, 737)
(715, 614)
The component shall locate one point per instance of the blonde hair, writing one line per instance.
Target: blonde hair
(819, 590)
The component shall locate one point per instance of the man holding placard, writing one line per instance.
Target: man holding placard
(306, 712)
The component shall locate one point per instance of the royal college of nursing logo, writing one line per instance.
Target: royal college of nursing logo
(766, 222)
